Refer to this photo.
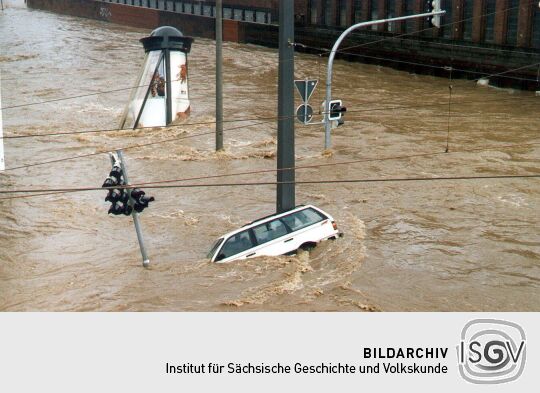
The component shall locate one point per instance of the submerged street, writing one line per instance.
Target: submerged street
(452, 245)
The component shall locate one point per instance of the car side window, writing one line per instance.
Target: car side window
(302, 219)
(235, 245)
(269, 231)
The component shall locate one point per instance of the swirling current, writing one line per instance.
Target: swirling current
(412, 246)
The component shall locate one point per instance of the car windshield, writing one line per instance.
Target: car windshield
(214, 248)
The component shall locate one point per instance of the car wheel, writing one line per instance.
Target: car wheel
(308, 246)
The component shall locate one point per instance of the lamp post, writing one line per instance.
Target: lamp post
(327, 121)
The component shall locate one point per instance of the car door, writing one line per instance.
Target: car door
(272, 238)
(237, 246)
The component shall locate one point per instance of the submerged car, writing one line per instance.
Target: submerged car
(278, 234)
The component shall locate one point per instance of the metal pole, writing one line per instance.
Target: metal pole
(306, 103)
(134, 214)
(2, 162)
(285, 137)
(327, 122)
(168, 77)
(219, 75)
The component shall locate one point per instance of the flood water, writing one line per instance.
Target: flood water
(457, 245)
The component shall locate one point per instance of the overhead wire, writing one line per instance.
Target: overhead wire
(273, 183)
(433, 66)
(325, 51)
(128, 147)
(156, 129)
(348, 162)
(78, 96)
(165, 141)
(432, 27)
(300, 167)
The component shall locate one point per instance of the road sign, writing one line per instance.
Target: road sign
(306, 88)
(304, 113)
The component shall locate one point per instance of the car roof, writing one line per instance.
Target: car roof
(270, 218)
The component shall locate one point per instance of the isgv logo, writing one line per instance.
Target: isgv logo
(491, 351)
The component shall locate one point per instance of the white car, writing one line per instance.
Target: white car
(278, 234)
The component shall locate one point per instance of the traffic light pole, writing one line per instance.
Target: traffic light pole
(219, 75)
(327, 121)
(134, 214)
(2, 162)
(285, 136)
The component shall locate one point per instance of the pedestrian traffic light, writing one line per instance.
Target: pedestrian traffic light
(336, 110)
(436, 7)
(140, 200)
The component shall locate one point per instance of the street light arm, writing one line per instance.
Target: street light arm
(333, 55)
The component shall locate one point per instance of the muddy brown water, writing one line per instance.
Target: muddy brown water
(416, 246)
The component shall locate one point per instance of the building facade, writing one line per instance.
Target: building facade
(476, 37)
(513, 23)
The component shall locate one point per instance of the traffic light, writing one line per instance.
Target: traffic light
(140, 200)
(119, 208)
(116, 177)
(115, 195)
(436, 7)
(123, 200)
(336, 110)
(119, 197)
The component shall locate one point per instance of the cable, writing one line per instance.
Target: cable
(324, 50)
(422, 38)
(124, 148)
(273, 183)
(452, 45)
(78, 96)
(104, 92)
(313, 166)
(156, 129)
(321, 49)
(78, 71)
(511, 70)
(82, 96)
(532, 51)
(343, 51)
(349, 162)
(208, 133)
(432, 27)
(484, 74)
(178, 138)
